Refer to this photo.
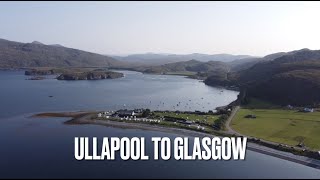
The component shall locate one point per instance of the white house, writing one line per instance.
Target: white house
(308, 110)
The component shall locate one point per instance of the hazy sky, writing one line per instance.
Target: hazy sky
(255, 28)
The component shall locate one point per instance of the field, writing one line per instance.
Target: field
(279, 125)
(192, 117)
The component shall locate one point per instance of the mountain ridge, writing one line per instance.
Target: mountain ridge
(292, 78)
(17, 55)
(164, 58)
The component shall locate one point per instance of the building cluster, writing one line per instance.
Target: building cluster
(137, 115)
(183, 121)
(127, 115)
(105, 114)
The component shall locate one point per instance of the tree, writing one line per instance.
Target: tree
(146, 113)
(220, 122)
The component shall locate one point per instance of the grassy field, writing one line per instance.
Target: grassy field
(193, 117)
(279, 125)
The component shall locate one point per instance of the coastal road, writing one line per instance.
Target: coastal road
(269, 151)
(233, 113)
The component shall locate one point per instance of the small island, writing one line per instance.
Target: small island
(90, 75)
(74, 73)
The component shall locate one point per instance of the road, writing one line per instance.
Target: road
(233, 113)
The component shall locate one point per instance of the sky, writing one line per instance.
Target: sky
(121, 28)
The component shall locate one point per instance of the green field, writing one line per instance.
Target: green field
(278, 125)
(192, 117)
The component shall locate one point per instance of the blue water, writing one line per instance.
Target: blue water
(43, 147)
(135, 90)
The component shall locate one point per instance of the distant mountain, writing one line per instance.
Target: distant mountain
(246, 63)
(291, 78)
(192, 68)
(288, 61)
(160, 59)
(35, 54)
(37, 42)
(56, 45)
(40, 43)
(191, 65)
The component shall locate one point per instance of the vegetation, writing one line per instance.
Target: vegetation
(17, 55)
(89, 75)
(146, 113)
(283, 78)
(75, 73)
(52, 71)
(218, 79)
(208, 129)
(220, 124)
(209, 119)
(192, 66)
(254, 103)
(280, 125)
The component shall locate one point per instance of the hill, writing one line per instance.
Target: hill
(35, 54)
(246, 63)
(161, 59)
(293, 78)
(201, 68)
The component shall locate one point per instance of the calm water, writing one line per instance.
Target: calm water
(44, 147)
(135, 90)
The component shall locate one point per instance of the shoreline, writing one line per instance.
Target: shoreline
(83, 118)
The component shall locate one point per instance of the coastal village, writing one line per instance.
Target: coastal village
(248, 120)
(193, 119)
(216, 122)
(146, 116)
